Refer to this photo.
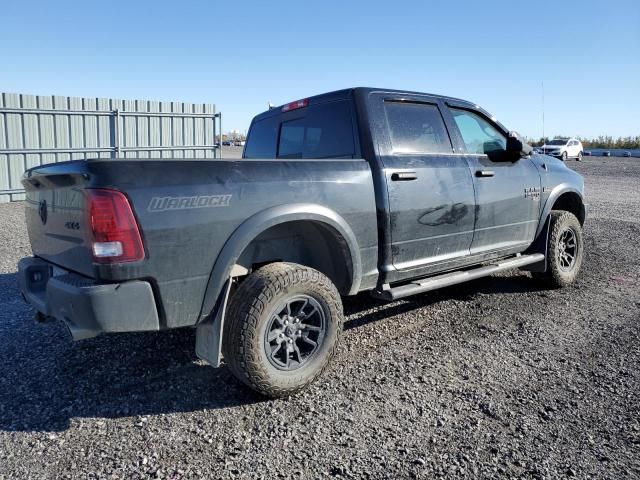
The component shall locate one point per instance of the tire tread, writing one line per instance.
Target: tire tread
(554, 277)
(245, 313)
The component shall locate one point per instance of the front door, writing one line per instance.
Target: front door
(430, 190)
(507, 193)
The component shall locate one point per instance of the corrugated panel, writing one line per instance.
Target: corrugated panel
(105, 126)
(176, 128)
(155, 137)
(32, 133)
(209, 129)
(4, 159)
(47, 130)
(166, 129)
(198, 130)
(13, 126)
(61, 128)
(142, 128)
(187, 132)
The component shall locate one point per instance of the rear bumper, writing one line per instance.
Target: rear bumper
(87, 307)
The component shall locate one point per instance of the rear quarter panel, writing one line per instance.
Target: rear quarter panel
(183, 236)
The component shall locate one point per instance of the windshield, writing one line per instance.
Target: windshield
(556, 142)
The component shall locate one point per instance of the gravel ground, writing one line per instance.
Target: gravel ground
(232, 152)
(498, 378)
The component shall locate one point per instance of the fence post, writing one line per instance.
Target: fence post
(215, 150)
(117, 136)
(219, 117)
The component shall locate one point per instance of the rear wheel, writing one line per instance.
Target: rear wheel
(564, 251)
(282, 328)
(579, 157)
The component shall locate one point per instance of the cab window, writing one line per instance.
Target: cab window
(325, 131)
(262, 139)
(479, 135)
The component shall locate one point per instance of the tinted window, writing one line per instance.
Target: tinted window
(416, 128)
(479, 135)
(291, 139)
(324, 132)
(261, 142)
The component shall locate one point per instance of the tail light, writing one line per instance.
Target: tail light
(114, 235)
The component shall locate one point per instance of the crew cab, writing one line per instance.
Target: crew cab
(364, 189)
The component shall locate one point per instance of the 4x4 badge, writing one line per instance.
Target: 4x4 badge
(532, 192)
(42, 211)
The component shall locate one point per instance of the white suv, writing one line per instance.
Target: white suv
(563, 148)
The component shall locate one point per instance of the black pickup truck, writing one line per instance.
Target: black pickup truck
(363, 189)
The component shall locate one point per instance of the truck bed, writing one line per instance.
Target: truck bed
(186, 210)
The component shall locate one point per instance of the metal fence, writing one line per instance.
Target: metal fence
(35, 130)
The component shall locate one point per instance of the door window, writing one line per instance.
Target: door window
(416, 128)
(479, 135)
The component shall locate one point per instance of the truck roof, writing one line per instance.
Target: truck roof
(348, 93)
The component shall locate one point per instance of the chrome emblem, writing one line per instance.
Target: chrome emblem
(42, 211)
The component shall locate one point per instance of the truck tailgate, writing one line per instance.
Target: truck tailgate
(56, 216)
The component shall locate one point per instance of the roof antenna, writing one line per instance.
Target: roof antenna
(269, 104)
(543, 139)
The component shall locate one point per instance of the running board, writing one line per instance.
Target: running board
(453, 278)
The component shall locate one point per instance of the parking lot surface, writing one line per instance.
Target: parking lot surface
(497, 378)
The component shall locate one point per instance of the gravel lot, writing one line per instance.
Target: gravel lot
(498, 378)
(232, 152)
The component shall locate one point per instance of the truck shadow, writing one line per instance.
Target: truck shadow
(519, 283)
(48, 381)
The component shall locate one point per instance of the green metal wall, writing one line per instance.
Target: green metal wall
(35, 130)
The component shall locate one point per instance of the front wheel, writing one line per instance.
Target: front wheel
(564, 251)
(282, 328)
(564, 156)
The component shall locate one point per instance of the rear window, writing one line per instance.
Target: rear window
(262, 139)
(416, 128)
(324, 131)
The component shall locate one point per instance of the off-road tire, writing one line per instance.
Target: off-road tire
(556, 276)
(251, 310)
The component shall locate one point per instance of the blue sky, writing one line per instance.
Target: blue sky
(240, 55)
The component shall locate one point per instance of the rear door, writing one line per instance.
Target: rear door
(507, 193)
(574, 149)
(430, 189)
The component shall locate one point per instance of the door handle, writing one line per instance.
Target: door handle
(404, 176)
(485, 173)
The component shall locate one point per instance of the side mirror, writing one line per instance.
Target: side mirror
(516, 148)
